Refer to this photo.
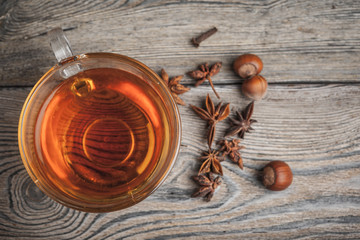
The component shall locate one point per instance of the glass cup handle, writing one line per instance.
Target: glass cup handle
(60, 44)
(62, 50)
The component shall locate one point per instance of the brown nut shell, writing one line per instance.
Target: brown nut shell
(255, 87)
(277, 176)
(248, 65)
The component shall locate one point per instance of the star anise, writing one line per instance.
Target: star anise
(212, 115)
(175, 87)
(211, 162)
(208, 185)
(231, 149)
(243, 124)
(204, 73)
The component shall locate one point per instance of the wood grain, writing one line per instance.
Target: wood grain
(310, 117)
(314, 128)
(299, 41)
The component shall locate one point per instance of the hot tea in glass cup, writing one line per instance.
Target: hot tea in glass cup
(98, 132)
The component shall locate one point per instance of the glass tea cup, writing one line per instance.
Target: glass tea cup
(98, 132)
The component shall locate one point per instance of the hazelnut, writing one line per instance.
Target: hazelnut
(248, 65)
(255, 87)
(277, 176)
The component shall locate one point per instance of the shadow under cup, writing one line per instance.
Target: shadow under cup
(99, 132)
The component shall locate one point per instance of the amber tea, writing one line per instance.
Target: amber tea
(100, 133)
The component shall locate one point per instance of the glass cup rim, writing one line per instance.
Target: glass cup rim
(174, 150)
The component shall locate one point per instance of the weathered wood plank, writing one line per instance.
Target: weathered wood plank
(299, 41)
(315, 128)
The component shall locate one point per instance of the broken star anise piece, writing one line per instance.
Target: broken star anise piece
(208, 185)
(243, 124)
(212, 115)
(204, 73)
(211, 162)
(175, 87)
(231, 149)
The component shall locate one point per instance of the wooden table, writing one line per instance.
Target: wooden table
(310, 117)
